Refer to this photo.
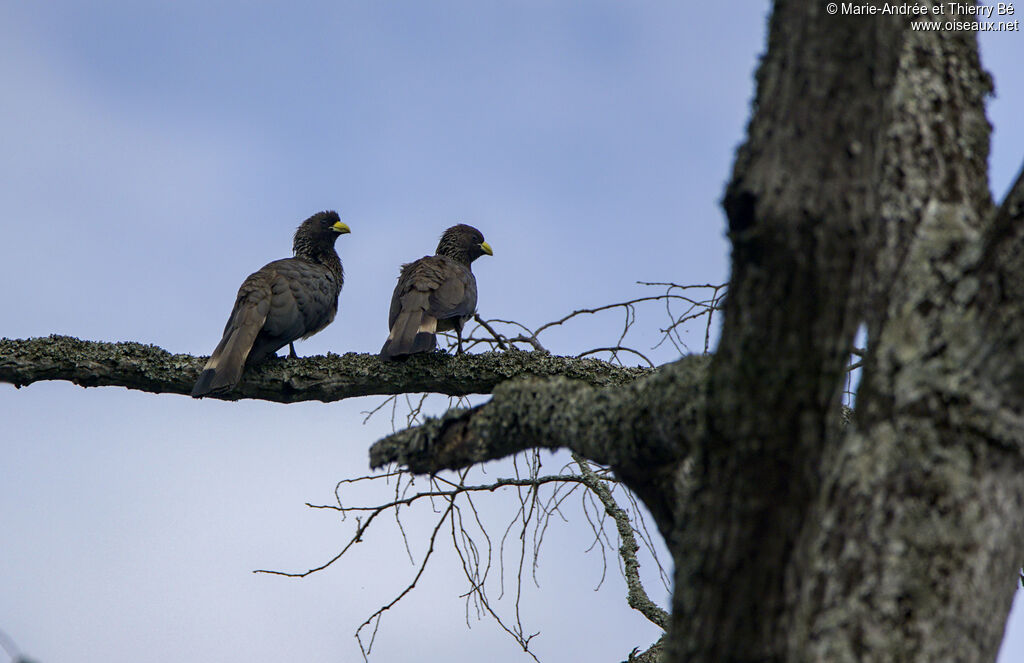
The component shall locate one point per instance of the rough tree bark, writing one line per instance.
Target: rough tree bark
(859, 198)
(325, 379)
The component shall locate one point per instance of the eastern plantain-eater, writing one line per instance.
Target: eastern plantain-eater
(284, 301)
(435, 293)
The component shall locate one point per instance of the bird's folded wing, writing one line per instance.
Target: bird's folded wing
(421, 277)
(303, 301)
(455, 294)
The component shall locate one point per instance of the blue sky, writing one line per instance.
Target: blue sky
(153, 155)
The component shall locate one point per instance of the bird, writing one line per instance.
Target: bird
(435, 293)
(283, 301)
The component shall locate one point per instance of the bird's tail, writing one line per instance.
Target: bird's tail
(224, 368)
(414, 331)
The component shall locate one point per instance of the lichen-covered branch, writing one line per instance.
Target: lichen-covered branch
(613, 425)
(1006, 233)
(653, 654)
(642, 429)
(637, 596)
(321, 378)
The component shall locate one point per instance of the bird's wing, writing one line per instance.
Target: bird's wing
(315, 290)
(455, 295)
(416, 283)
(304, 300)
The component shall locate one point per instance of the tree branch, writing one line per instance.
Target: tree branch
(612, 426)
(636, 429)
(637, 596)
(1005, 234)
(321, 378)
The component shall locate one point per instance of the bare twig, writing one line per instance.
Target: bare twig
(497, 337)
(703, 305)
(8, 645)
(614, 350)
(375, 617)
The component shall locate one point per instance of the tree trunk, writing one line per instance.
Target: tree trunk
(860, 196)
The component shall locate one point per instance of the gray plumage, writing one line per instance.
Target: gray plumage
(284, 301)
(435, 293)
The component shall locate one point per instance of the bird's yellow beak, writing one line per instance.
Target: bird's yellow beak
(341, 228)
(486, 248)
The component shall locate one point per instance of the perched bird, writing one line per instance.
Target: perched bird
(435, 293)
(285, 300)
